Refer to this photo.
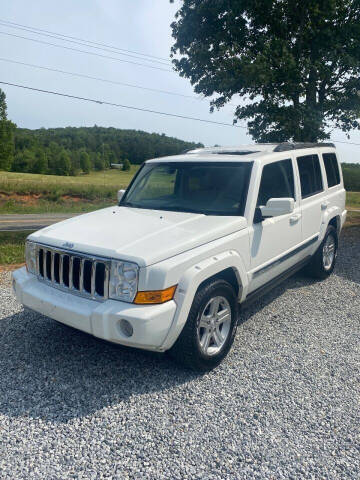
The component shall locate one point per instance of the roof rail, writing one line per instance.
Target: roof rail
(286, 146)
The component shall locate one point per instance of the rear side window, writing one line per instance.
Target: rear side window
(310, 175)
(332, 169)
(277, 181)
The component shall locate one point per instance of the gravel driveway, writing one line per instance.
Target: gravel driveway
(284, 404)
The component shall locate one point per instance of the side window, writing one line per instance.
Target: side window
(277, 181)
(310, 175)
(332, 169)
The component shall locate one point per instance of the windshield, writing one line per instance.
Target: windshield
(211, 188)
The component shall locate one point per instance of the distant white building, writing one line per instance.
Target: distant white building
(116, 165)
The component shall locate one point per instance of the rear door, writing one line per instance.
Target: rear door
(336, 195)
(313, 201)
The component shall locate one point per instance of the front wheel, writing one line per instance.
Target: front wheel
(210, 328)
(323, 262)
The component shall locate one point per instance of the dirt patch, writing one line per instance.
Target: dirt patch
(10, 268)
(34, 198)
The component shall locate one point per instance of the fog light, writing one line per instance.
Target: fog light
(126, 328)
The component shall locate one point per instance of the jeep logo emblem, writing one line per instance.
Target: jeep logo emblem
(68, 245)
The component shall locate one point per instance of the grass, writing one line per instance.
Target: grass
(12, 247)
(352, 219)
(105, 178)
(33, 193)
(353, 199)
(12, 244)
(22, 206)
(94, 186)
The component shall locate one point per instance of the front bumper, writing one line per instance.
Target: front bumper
(150, 323)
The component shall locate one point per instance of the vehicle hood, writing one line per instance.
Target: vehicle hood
(143, 236)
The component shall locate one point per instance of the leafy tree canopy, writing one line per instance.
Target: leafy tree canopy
(88, 148)
(7, 129)
(295, 64)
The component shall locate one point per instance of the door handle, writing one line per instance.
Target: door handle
(325, 204)
(295, 218)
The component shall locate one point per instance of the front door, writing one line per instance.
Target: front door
(274, 241)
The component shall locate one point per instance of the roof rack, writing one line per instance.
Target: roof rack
(286, 146)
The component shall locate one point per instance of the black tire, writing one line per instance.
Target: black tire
(316, 268)
(187, 350)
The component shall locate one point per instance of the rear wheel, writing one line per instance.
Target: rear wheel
(210, 328)
(323, 262)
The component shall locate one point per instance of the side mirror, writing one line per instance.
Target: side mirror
(120, 194)
(278, 206)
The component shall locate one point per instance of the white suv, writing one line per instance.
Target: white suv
(193, 237)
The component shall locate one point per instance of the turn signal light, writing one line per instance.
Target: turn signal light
(157, 296)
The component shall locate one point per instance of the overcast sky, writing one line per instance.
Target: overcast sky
(141, 26)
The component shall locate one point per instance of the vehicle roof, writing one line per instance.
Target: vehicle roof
(245, 153)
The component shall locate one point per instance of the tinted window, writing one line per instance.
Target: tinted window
(277, 181)
(310, 175)
(212, 188)
(332, 169)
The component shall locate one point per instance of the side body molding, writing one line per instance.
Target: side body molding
(193, 277)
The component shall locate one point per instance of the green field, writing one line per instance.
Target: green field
(12, 247)
(104, 178)
(33, 193)
(353, 199)
(12, 243)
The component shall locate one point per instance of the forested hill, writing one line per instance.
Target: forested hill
(70, 150)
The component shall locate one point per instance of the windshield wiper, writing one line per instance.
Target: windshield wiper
(176, 208)
(128, 204)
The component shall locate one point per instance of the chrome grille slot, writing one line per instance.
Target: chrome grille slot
(75, 273)
(66, 270)
(48, 264)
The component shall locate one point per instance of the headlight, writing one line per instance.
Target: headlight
(123, 280)
(30, 257)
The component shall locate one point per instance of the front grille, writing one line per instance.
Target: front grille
(74, 272)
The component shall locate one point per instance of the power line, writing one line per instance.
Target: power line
(103, 102)
(347, 143)
(115, 82)
(87, 52)
(82, 40)
(86, 45)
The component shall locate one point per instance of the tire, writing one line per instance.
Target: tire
(200, 347)
(319, 267)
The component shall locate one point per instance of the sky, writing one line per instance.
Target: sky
(140, 26)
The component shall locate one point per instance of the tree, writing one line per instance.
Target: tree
(103, 146)
(85, 162)
(62, 164)
(126, 165)
(3, 106)
(99, 163)
(40, 164)
(296, 65)
(23, 161)
(7, 129)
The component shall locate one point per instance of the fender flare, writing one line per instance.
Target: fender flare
(333, 212)
(192, 279)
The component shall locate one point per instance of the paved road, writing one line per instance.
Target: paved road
(10, 223)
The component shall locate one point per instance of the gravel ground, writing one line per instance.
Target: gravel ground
(284, 404)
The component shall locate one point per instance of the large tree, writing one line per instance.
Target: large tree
(7, 129)
(295, 64)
